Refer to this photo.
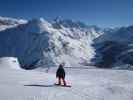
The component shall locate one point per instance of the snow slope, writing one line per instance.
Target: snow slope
(87, 84)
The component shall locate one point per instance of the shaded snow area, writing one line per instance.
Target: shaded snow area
(87, 84)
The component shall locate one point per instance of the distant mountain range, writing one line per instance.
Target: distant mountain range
(115, 48)
(50, 43)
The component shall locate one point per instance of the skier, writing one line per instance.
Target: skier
(60, 74)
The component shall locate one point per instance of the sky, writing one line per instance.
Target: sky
(104, 13)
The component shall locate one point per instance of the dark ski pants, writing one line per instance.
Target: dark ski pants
(59, 80)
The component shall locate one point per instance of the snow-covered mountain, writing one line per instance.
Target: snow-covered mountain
(115, 49)
(50, 43)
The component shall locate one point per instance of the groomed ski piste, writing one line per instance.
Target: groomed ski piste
(87, 84)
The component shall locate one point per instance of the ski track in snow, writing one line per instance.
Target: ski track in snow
(87, 84)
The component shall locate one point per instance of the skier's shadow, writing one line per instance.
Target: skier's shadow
(36, 85)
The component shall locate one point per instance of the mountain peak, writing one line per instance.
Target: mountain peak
(68, 23)
(37, 25)
(36, 21)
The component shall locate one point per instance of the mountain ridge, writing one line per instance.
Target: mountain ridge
(61, 40)
(38, 39)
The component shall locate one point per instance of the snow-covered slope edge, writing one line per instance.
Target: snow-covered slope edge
(9, 63)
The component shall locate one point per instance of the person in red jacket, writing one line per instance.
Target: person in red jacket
(60, 74)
